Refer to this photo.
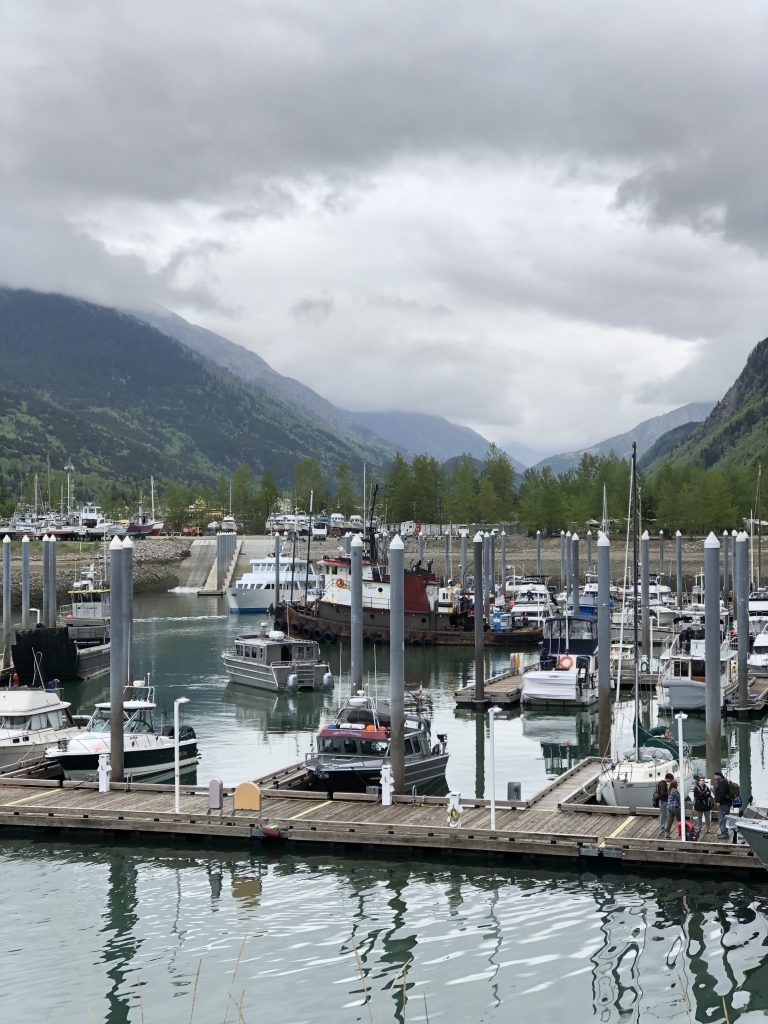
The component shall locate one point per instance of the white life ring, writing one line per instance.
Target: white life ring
(644, 667)
(566, 662)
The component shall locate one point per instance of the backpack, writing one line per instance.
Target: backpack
(735, 791)
(691, 832)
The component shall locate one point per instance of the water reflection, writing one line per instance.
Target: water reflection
(565, 737)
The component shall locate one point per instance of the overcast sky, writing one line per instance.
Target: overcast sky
(546, 221)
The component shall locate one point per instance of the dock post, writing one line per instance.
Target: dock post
(6, 601)
(221, 541)
(645, 593)
(479, 757)
(503, 568)
(726, 544)
(538, 553)
(46, 583)
(575, 573)
(396, 662)
(679, 567)
(116, 755)
(734, 536)
(713, 696)
(741, 588)
(347, 541)
(463, 559)
(661, 552)
(589, 552)
(356, 615)
(477, 546)
(604, 646)
(744, 741)
(52, 607)
(276, 601)
(563, 583)
(491, 569)
(447, 554)
(127, 609)
(24, 581)
(420, 540)
(567, 584)
(486, 603)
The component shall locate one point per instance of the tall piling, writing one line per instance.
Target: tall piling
(741, 587)
(503, 568)
(603, 646)
(563, 579)
(679, 568)
(116, 581)
(397, 662)
(477, 548)
(52, 570)
(538, 553)
(276, 602)
(45, 582)
(724, 588)
(6, 601)
(485, 604)
(645, 593)
(713, 697)
(420, 542)
(463, 558)
(127, 610)
(221, 546)
(491, 567)
(734, 535)
(661, 552)
(24, 582)
(575, 572)
(588, 567)
(447, 554)
(356, 616)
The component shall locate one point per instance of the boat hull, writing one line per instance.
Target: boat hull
(139, 763)
(274, 678)
(356, 777)
(556, 688)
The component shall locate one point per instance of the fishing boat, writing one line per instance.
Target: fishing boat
(354, 747)
(681, 685)
(146, 753)
(31, 719)
(567, 672)
(273, 661)
(254, 592)
(78, 646)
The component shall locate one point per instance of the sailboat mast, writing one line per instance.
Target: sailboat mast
(635, 595)
(759, 528)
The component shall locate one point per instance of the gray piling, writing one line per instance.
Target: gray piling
(734, 598)
(575, 572)
(52, 608)
(397, 662)
(447, 555)
(45, 582)
(744, 742)
(421, 546)
(679, 567)
(563, 581)
(487, 574)
(347, 544)
(356, 615)
(463, 559)
(276, 601)
(24, 581)
(116, 580)
(726, 546)
(477, 547)
(221, 544)
(538, 553)
(503, 569)
(603, 646)
(127, 609)
(479, 757)
(589, 552)
(741, 587)
(568, 581)
(645, 593)
(6, 601)
(713, 697)
(491, 567)
(661, 552)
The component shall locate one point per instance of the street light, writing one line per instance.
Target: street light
(492, 712)
(176, 770)
(681, 717)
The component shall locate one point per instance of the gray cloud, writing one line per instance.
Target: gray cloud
(315, 311)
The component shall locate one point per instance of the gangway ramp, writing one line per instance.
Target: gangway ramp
(202, 555)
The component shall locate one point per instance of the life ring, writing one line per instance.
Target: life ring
(454, 815)
(340, 582)
(644, 667)
(566, 662)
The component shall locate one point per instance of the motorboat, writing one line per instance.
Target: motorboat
(354, 747)
(757, 660)
(254, 592)
(567, 672)
(146, 753)
(31, 719)
(681, 685)
(271, 660)
(752, 827)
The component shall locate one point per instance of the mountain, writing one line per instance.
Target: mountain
(422, 434)
(665, 444)
(645, 434)
(123, 400)
(736, 431)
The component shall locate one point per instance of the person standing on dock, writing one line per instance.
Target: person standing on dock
(673, 808)
(722, 796)
(662, 795)
(702, 805)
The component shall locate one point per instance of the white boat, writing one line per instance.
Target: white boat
(255, 590)
(530, 603)
(757, 661)
(753, 829)
(567, 673)
(273, 661)
(145, 752)
(31, 719)
(681, 685)
(757, 610)
(229, 524)
(631, 781)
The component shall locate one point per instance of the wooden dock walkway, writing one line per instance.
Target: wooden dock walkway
(555, 824)
(503, 690)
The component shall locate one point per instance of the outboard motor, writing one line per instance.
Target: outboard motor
(327, 681)
(293, 681)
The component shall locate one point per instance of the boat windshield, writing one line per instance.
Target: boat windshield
(99, 720)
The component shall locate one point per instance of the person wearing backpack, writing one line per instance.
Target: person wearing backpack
(722, 797)
(702, 805)
(660, 798)
(673, 808)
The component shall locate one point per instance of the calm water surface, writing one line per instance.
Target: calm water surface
(98, 931)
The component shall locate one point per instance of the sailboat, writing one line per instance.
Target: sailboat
(631, 781)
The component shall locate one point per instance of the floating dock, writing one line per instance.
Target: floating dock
(557, 824)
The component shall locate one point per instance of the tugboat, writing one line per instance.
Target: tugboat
(353, 748)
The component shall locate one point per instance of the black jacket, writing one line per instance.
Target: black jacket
(702, 798)
(722, 791)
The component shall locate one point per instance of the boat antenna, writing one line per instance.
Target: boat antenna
(635, 555)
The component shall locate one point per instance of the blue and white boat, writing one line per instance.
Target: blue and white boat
(567, 672)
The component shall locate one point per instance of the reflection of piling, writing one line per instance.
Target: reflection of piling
(713, 697)
(116, 681)
(645, 595)
(127, 608)
(24, 582)
(679, 567)
(604, 645)
(575, 572)
(741, 587)
(356, 615)
(6, 601)
(538, 552)
(397, 662)
(477, 547)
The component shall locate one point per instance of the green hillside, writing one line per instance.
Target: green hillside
(123, 400)
(666, 444)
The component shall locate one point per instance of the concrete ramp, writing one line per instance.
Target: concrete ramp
(202, 556)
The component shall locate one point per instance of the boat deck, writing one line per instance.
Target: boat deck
(555, 824)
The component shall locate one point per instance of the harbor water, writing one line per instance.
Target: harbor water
(104, 930)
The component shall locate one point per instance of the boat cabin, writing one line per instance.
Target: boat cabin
(275, 648)
(569, 636)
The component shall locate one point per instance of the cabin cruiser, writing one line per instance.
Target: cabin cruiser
(354, 747)
(273, 661)
(255, 590)
(530, 603)
(31, 719)
(567, 673)
(681, 685)
(145, 752)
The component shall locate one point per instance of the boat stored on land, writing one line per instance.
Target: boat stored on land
(273, 661)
